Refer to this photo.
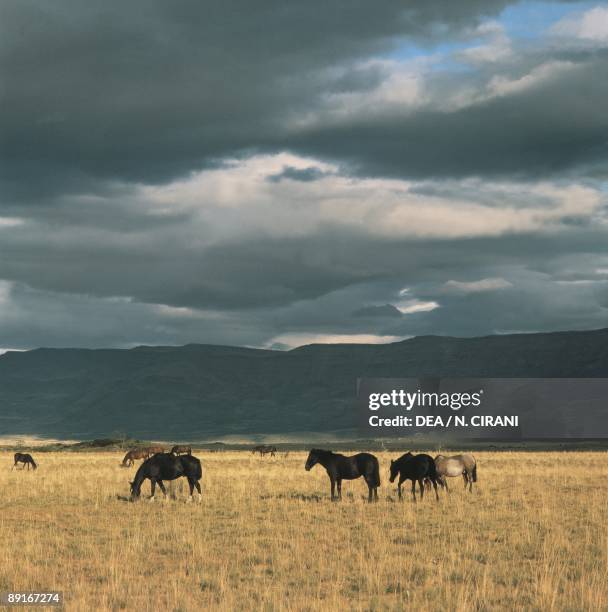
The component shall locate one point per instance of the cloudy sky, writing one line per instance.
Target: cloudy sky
(283, 172)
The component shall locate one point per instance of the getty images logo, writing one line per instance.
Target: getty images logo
(403, 399)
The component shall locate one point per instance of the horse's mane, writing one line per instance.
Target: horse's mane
(320, 451)
(405, 457)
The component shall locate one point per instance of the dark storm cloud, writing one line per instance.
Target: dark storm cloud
(104, 106)
(146, 91)
(543, 130)
(304, 175)
(387, 310)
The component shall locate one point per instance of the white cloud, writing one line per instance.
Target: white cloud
(10, 222)
(496, 48)
(592, 26)
(501, 85)
(412, 306)
(293, 340)
(485, 284)
(239, 201)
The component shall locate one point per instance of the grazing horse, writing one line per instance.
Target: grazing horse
(416, 468)
(264, 449)
(26, 459)
(134, 453)
(165, 466)
(341, 468)
(458, 465)
(152, 450)
(181, 450)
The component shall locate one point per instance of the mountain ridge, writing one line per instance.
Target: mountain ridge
(200, 391)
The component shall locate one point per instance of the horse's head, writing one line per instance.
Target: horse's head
(135, 490)
(313, 459)
(394, 471)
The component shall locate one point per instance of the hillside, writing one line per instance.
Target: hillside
(202, 391)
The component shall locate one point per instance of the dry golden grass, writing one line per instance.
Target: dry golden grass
(533, 536)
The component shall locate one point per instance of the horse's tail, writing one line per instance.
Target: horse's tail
(376, 473)
(474, 473)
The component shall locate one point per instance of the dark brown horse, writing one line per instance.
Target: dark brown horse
(181, 450)
(264, 449)
(341, 468)
(133, 454)
(165, 466)
(26, 459)
(418, 469)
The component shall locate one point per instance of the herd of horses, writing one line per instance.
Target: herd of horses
(421, 469)
(159, 466)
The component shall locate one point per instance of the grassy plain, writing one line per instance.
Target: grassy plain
(533, 536)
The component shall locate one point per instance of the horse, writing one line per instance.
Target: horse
(457, 465)
(152, 450)
(134, 453)
(264, 449)
(165, 466)
(341, 468)
(416, 468)
(26, 459)
(181, 450)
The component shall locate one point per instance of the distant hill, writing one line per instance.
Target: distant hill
(204, 391)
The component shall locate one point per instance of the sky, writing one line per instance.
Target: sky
(277, 173)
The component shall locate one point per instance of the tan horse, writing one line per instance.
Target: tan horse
(152, 450)
(457, 465)
(133, 454)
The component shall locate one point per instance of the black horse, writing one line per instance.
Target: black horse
(165, 466)
(341, 468)
(26, 459)
(416, 468)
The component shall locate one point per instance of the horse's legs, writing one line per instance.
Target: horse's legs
(191, 486)
(399, 488)
(152, 488)
(197, 484)
(435, 485)
(421, 484)
(445, 483)
(162, 488)
(470, 483)
(333, 488)
(414, 489)
(339, 483)
(465, 478)
(370, 491)
(376, 493)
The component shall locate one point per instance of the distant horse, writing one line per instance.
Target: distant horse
(152, 450)
(264, 449)
(341, 468)
(416, 468)
(458, 465)
(165, 466)
(26, 459)
(133, 454)
(181, 450)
